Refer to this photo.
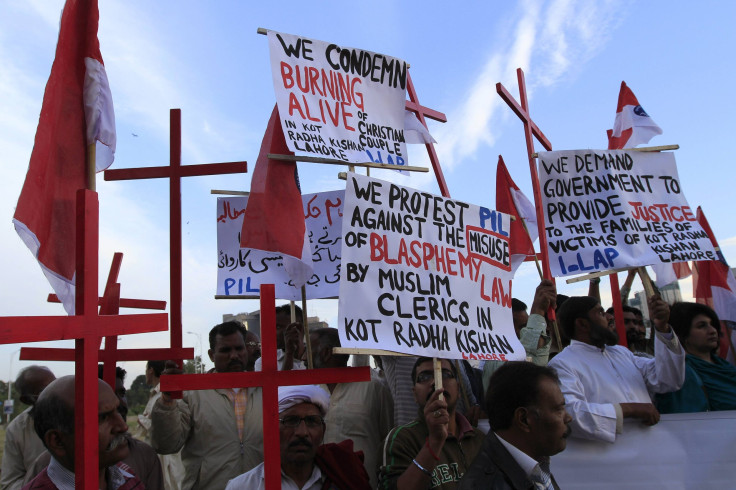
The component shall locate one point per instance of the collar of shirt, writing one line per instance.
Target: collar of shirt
(527, 463)
(576, 344)
(64, 479)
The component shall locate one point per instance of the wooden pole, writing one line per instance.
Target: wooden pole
(306, 328)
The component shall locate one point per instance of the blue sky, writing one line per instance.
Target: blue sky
(206, 58)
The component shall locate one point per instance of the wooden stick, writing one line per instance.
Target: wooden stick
(334, 161)
(368, 352)
(593, 275)
(438, 375)
(92, 166)
(643, 149)
(646, 281)
(306, 327)
(230, 193)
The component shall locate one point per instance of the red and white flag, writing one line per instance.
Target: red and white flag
(714, 285)
(77, 112)
(632, 126)
(274, 216)
(510, 200)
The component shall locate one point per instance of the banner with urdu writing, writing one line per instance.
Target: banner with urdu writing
(605, 209)
(241, 271)
(339, 102)
(424, 275)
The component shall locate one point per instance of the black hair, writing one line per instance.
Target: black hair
(23, 384)
(225, 329)
(517, 305)
(683, 313)
(515, 384)
(286, 309)
(120, 373)
(631, 309)
(328, 337)
(573, 308)
(51, 412)
(426, 359)
(157, 366)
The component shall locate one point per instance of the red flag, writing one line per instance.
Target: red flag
(274, 216)
(632, 126)
(510, 200)
(76, 112)
(714, 284)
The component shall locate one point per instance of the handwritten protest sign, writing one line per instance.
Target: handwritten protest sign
(339, 102)
(241, 271)
(609, 209)
(424, 275)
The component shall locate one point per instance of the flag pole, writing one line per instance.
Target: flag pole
(306, 328)
(92, 166)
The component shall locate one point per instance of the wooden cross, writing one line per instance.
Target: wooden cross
(531, 131)
(269, 379)
(414, 106)
(174, 172)
(110, 304)
(85, 327)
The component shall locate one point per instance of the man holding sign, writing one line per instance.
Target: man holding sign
(435, 450)
(604, 383)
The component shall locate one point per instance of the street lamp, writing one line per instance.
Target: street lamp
(10, 384)
(201, 353)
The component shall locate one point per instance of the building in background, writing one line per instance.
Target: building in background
(252, 321)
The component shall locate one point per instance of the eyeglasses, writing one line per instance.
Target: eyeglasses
(426, 376)
(311, 421)
(253, 345)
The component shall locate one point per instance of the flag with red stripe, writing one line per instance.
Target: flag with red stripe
(510, 200)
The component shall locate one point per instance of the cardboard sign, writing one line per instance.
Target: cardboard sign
(424, 275)
(242, 271)
(605, 209)
(339, 102)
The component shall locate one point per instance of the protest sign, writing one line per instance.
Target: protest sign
(241, 271)
(339, 102)
(610, 209)
(424, 275)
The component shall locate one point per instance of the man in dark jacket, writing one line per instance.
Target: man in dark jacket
(526, 411)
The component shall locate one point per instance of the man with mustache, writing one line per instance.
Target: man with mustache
(306, 464)
(436, 449)
(604, 383)
(526, 411)
(219, 432)
(53, 418)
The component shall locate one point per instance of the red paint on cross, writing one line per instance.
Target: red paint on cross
(85, 327)
(269, 379)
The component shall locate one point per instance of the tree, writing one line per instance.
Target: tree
(137, 394)
(194, 366)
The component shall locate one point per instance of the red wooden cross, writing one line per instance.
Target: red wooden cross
(269, 379)
(85, 327)
(531, 129)
(110, 303)
(414, 106)
(174, 172)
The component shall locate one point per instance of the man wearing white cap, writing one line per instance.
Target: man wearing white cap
(305, 464)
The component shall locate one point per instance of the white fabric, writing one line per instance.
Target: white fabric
(693, 451)
(254, 480)
(279, 362)
(529, 215)
(724, 300)
(643, 127)
(593, 380)
(527, 463)
(294, 395)
(99, 113)
(414, 130)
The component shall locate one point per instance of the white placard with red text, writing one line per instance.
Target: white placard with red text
(424, 275)
(605, 209)
(339, 102)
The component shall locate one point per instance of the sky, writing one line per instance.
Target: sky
(207, 59)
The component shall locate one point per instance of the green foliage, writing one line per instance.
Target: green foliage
(137, 394)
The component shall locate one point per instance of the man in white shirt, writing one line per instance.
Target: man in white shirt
(289, 339)
(604, 383)
(529, 423)
(304, 463)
